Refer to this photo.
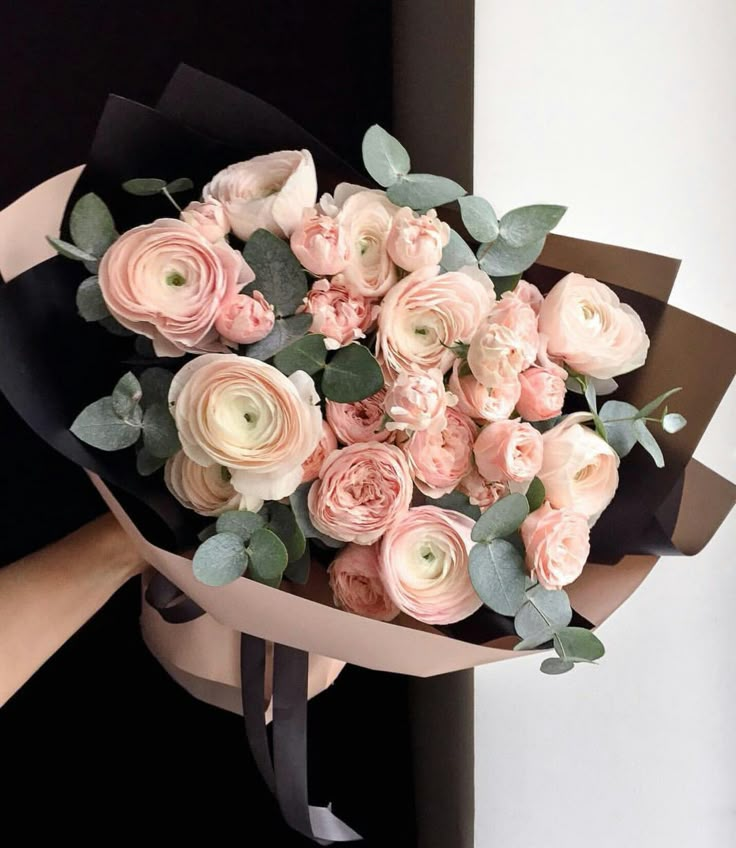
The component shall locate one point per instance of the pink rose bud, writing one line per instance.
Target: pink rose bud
(418, 401)
(361, 421)
(495, 355)
(480, 492)
(542, 394)
(509, 450)
(416, 241)
(245, 319)
(512, 312)
(557, 543)
(528, 293)
(483, 404)
(339, 314)
(320, 243)
(207, 218)
(313, 463)
(356, 583)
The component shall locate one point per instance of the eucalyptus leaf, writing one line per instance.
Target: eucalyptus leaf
(279, 276)
(179, 185)
(479, 218)
(528, 224)
(648, 442)
(99, 425)
(424, 191)
(284, 332)
(501, 259)
(501, 518)
(268, 556)
(501, 285)
(535, 494)
(554, 665)
(590, 397)
(126, 395)
(545, 426)
(307, 354)
(155, 384)
(498, 576)
(658, 401)
(673, 422)
(384, 157)
(146, 463)
(90, 302)
(91, 225)
(456, 253)
(220, 560)
(70, 251)
(576, 644)
(114, 327)
(282, 522)
(351, 375)
(298, 501)
(241, 522)
(160, 436)
(144, 186)
(207, 533)
(618, 419)
(543, 613)
(298, 570)
(457, 502)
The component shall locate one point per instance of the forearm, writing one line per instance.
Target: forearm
(49, 595)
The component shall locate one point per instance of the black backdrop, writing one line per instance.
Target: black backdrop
(100, 734)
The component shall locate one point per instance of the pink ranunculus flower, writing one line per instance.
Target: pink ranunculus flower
(425, 314)
(361, 421)
(246, 415)
(340, 314)
(205, 490)
(480, 403)
(366, 217)
(320, 243)
(356, 583)
(579, 469)
(208, 218)
(528, 293)
(481, 492)
(424, 565)
(512, 312)
(508, 450)
(360, 491)
(589, 328)
(439, 461)
(557, 543)
(313, 463)
(542, 394)
(416, 241)
(418, 401)
(495, 355)
(266, 192)
(245, 319)
(168, 282)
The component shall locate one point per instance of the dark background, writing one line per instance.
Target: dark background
(100, 734)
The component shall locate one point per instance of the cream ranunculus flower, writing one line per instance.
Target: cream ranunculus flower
(205, 490)
(247, 416)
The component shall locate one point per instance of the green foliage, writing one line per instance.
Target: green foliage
(220, 560)
(498, 576)
(501, 518)
(479, 218)
(352, 374)
(424, 191)
(90, 302)
(384, 157)
(91, 225)
(279, 276)
(306, 354)
(285, 331)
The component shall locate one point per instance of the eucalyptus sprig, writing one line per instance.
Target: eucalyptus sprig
(151, 186)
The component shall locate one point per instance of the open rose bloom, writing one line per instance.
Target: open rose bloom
(416, 400)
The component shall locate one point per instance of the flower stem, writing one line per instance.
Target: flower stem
(167, 194)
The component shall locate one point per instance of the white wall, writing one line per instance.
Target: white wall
(624, 111)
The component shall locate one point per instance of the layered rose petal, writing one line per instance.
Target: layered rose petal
(557, 544)
(508, 451)
(340, 314)
(208, 218)
(366, 217)
(542, 394)
(416, 241)
(320, 243)
(480, 403)
(205, 490)
(513, 312)
(313, 463)
(361, 421)
(245, 319)
(480, 491)
(496, 355)
(356, 583)
(417, 401)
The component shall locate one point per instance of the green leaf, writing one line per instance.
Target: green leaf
(160, 436)
(279, 276)
(90, 302)
(529, 224)
(220, 560)
(384, 157)
(99, 425)
(501, 259)
(658, 401)
(282, 522)
(501, 285)
(241, 522)
(352, 375)
(91, 225)
(70, 251)
(479, 218)
(126, 395)
(648, 442)
(673, 422)
(576, 644)
(114, 327)
(456, 253)
(298, 570)
(590, 396)
(554, 665)
(285, 331)
(155, 383)
(501, 518)
(207, 533)
(542, 615)
(144, 187)
(457, 502)
(618, 420)
(179, 185)
(146, 463)
(498, 576)
(535, 494)
(424, 191)
(268, 556)
(306, 354)
(298, 501)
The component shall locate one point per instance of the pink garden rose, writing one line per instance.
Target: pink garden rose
(266, 192)
(579, 469)
(416, 241)
(245, 319)
(424, 314)
(542, 394)
(339, 314)
(356, 583)
(207, 218)
(320, 243)
(557, 543)
(480, 492)
(417, 401)
(512, 312)
(366, 217)
(589, 328)
(205, 490)
(246, 415)
(495, 355)
(528, 293)
(439, 461)
(483, 404)
(424, 565)
(313, 463)
(361, 490)
(166, 281)
(361, 421)
(508, 450)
